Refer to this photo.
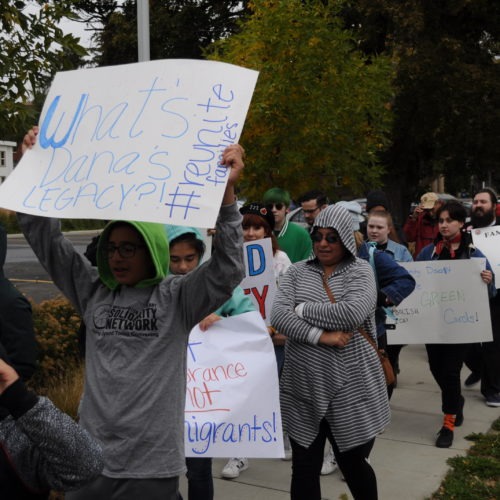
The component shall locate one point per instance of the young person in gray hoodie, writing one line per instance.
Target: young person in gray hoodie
(138, 322)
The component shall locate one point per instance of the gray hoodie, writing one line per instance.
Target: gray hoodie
(135, 378)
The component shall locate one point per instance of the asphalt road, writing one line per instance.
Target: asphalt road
(23, 269)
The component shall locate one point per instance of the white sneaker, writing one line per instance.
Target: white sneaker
(288, 448)
(329, 463)
(233, 467)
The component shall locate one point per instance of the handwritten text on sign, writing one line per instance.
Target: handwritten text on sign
(449, 305)
(139, 141)
(259, 282)
(487, 239)
(228, 413)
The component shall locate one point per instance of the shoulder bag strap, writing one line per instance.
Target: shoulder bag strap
(332, 299)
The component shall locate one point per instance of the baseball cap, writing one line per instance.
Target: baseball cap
(428, 200)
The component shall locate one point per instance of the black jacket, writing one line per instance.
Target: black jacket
(16, 323)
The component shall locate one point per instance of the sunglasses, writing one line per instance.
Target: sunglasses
(277, 206)
(125, 250)
(317, 237)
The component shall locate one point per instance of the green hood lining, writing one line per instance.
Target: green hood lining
(156, 240)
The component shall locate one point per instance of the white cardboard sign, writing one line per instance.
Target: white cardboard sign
(449, 305)
(138, 142)
(259, 282)
(487, 239)
(232, 400)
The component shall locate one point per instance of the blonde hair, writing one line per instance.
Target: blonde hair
(382, 213)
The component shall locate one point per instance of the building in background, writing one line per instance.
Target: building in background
(6, 159)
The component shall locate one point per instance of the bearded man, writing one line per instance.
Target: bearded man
(484, 359)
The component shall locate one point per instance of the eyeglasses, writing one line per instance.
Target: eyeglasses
(125, 250)
(318, 237)
(310, 210)
(277, 206)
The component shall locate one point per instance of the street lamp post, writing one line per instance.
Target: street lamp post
(143, 30)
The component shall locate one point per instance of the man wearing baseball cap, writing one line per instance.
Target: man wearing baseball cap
(421, 226)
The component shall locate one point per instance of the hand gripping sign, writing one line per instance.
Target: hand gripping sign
(232, 398)
(449, 305)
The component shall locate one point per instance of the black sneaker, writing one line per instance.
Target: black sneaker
(493, 400)
(445, 438)
(472, 379)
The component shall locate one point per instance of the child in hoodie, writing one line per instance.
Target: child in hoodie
(186, 252)
(138, 321)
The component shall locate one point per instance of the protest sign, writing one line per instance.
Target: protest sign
(487, 239)
(449, 304)
(137, 141)
(232, 400)
(259, 282)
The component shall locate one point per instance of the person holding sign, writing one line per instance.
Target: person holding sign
(332, 385)
(258, 223)
(446, 360)
(483, 359)
(138, 321)
(186, 252)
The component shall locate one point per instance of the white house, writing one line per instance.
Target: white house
(6, 158)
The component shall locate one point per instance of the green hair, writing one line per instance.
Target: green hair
(277, 195)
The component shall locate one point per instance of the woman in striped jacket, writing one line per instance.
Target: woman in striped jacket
(332, 385)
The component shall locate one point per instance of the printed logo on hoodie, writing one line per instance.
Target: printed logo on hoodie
(126, 321)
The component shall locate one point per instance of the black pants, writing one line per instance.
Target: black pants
(445, 362)
(485, 358)
(200, 480)
(307, 462)
(107, 488)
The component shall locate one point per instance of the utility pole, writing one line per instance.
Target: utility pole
(143, 30)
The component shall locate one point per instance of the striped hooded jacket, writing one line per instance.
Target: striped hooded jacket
(345, 386)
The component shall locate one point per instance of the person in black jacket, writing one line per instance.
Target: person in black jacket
(16, 323)
(41, 448)
(483, 359)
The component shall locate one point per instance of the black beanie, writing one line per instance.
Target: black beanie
(375, 199)
(259, 209)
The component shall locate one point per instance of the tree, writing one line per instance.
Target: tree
(447, 113)
(320, 113)
(34, 48)
(178, 28)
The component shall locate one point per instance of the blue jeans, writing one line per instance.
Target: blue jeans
(200, 480)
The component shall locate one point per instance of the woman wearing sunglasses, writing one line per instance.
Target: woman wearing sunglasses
(332, 385)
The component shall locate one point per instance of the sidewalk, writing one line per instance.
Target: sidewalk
(406, 462)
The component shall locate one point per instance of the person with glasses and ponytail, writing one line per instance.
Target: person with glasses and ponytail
(446, 360)
(138, 320)
(293, 239)
(332, 385)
